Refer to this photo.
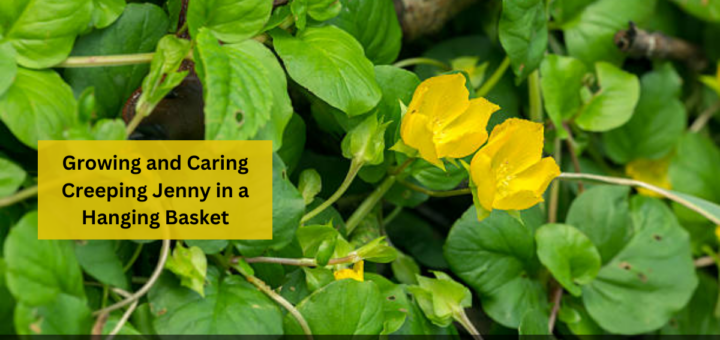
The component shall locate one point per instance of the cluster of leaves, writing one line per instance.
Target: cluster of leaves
(316, 78)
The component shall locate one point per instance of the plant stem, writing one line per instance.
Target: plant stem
(368, 204)
(285, 303)
(555, 188)
(301, 262)
(448, 193)
(352, 172)
(488, 85)
(19, 196)
(535, 95)
(392, 215)
(704, 262)
(140, 113)
(402, 167)
(573, 156)
(422, 61)
(134, 258)
(465, 322)
(125, 315)
(557, 296)
(704, 118)
(107, 60)
(164, 251)
(631, 182)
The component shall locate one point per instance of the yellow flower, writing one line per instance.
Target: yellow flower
(653, 172)
(717, 232)
(441, 122)
(509, 171)
(356, 273)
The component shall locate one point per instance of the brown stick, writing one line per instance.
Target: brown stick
(638, 43)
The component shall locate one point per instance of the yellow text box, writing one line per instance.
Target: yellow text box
(143, 190)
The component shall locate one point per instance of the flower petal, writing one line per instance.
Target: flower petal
(415, 134)
(440, 97)
(484, 179)
(519, 200)
(467, 132)
(515, 145)
(537, 177)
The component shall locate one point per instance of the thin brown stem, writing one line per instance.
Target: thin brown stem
(705, 261)
(164, 251)
(631, 182)
(704, 118)
(285, 303)
(557, 297)
(125, 317)
(19, 196)
(574, 157)
(301, 262)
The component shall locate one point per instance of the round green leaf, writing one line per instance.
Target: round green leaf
(568, 254)
(613, 105)
(331, 64)
(39, 271)
(523, 34)
(562, 80)
(43, 31)
(589, 33)
(231, 306)
(375, 25)
(345, 307)
(100, 259)
(229, 20)
(698, 317)
(650, 279)
(496, 257)
(658, 122)
(11, 177)
(602, 214)
(534, 322)
(38, 105)
(8, 66)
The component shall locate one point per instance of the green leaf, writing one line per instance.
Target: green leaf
(65, 315)
(129, 34)
(496, 257)
(105, 12)
(698, 317)
(299, 11)
(38, 105)
(534, 322)
(561, 80)
(708, 10)
(245, 90)
(288, 209)
(375, 25)
(309, 184)
(12, 177)
(693, 170)
(8, 66)
(209, 247)
(354, 308)
(657, 124)
(602, 214)
(589, 34)
(613, 105)
(322, 10)
(365, 143)
(417, 324)
(330, 63)
(316, 278)
(43, 31)
(405, 269)
(229, 20)
(231, 306)
(190, 265)
(378, 251)
(318, 241)
(569, 255)
(293, 142)
(164, 72)
(650, 279)
(99, 258)
(395, 302)
(418, 238)
(524, 34)
(441, 299)
(7, 304)
(40, 271)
